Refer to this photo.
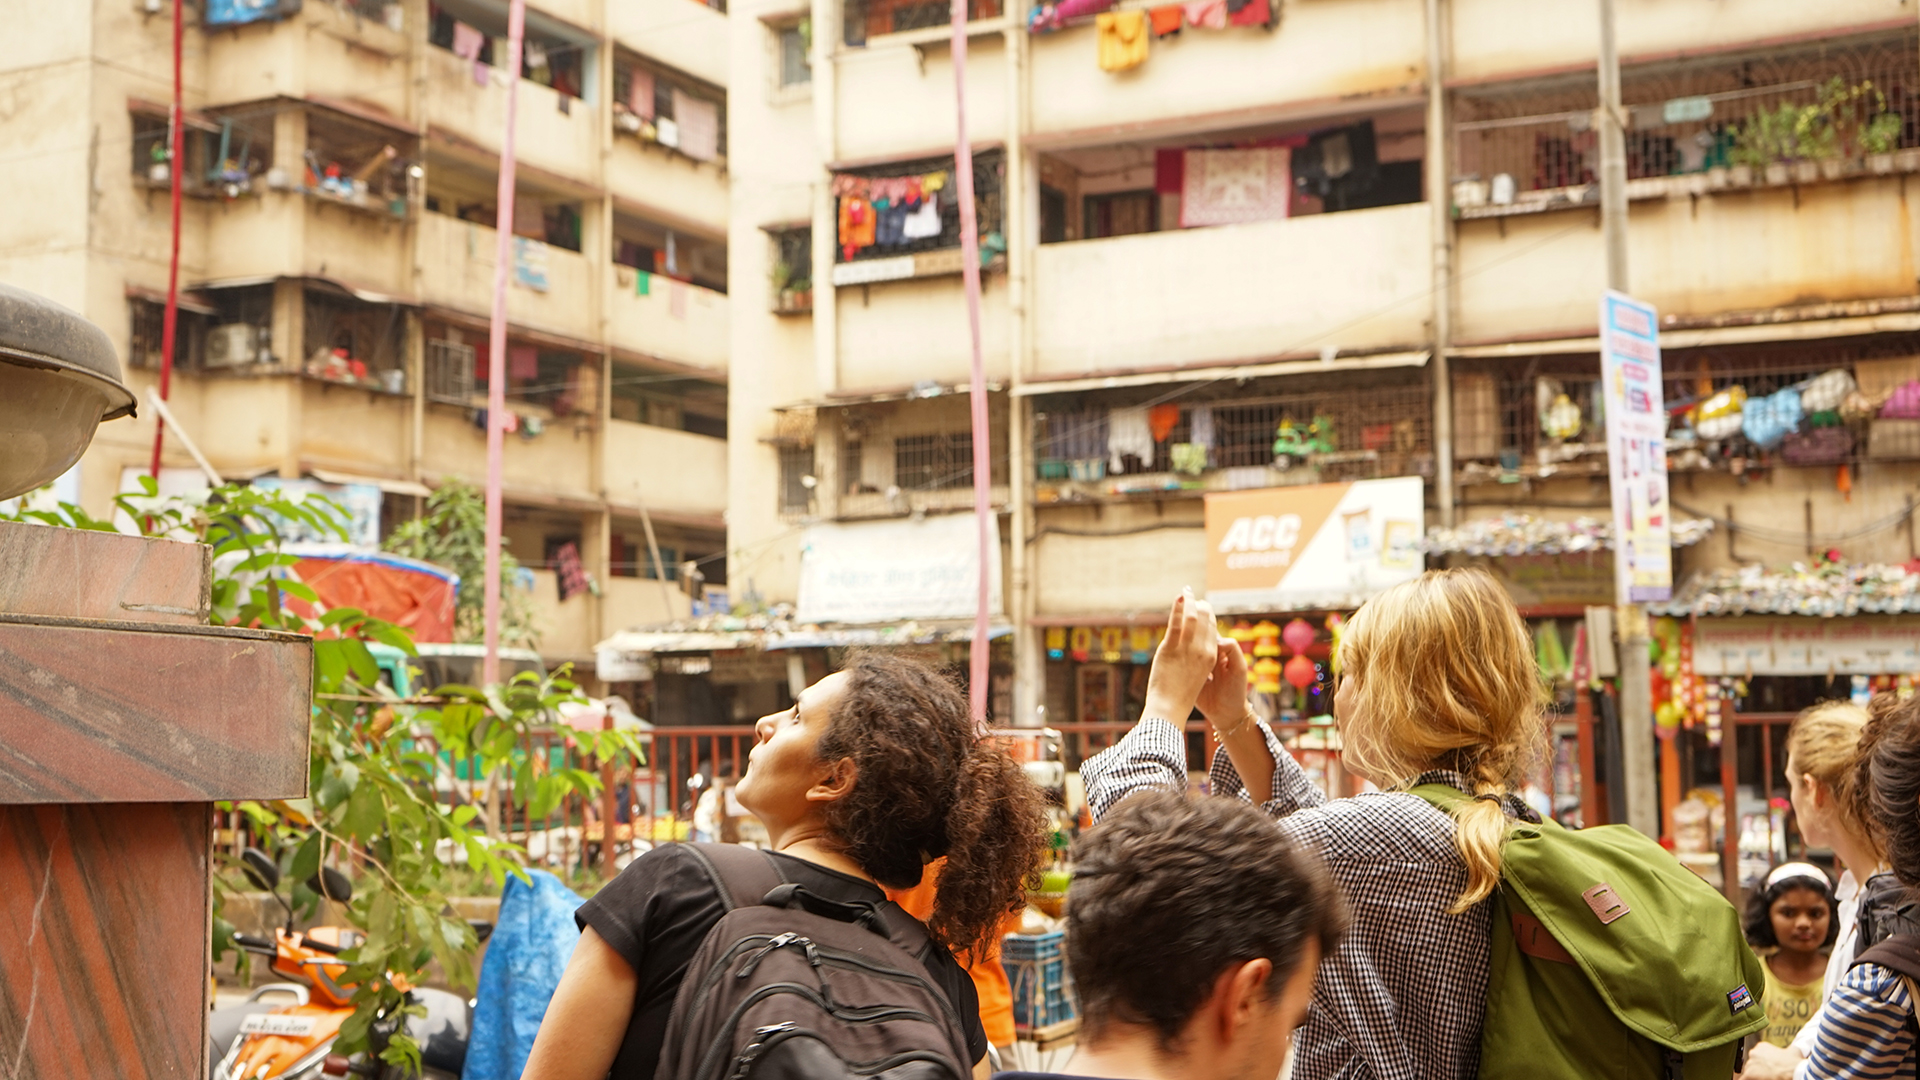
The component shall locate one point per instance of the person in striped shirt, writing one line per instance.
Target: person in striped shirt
(1869, 1030)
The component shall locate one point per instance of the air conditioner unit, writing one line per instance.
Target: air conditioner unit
(234, 344)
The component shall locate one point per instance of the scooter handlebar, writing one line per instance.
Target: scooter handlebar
(254, 944)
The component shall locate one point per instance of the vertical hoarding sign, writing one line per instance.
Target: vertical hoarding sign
(1636, 449)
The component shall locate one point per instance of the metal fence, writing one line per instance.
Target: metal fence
(1693, 115)
(1349, 433)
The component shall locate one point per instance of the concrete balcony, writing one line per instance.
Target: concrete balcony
(322, 51)
(289, 234)
(1358, 280)
(1692, 253)
(567, 144)
(668, 186)
(456, 271)
(555, 466)
(692, 329)
(584, 14)
(634, 602)
(1314, 63)
(921, 318)
(684, 34)
(664, 470)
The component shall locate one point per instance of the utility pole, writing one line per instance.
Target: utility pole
(497, 345)
(1636, 687)
(1440, 202)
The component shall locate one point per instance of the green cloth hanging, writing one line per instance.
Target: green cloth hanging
(1549, 653)
(642, 283)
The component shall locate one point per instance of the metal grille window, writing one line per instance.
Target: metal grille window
(793, 270)
(853, 472)
(449, 374)
(148, 322)
(885, 236)
(1832, 103)
(795, 68)
(796, 467)
(1355, 433)
(933, 462)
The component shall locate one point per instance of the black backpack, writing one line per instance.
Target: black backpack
(790, 984)
(1886, 908)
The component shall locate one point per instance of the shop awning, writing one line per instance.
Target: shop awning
(1223, 372)
(863, 636)
(1896, 322)
(1525, 534)
(391, 487)
(678, 641)
(1817, 590)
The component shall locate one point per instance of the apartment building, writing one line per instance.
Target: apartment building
(1309, 242)
(337, 251)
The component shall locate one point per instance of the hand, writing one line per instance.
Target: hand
(1769, 1062)
(1185, 660)
(1224, 698)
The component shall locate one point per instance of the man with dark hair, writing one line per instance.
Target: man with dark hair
(1193, 933)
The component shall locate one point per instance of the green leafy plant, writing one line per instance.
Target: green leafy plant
(453, 534)
(1843, 121)
(377, 762)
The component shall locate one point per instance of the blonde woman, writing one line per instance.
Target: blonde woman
(1438, 684)
(1830, 805)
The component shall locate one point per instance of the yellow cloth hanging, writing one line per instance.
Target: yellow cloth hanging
(1123, 39)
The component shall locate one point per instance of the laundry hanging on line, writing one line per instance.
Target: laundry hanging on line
(1128, 433)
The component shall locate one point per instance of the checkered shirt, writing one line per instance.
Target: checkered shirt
(1403, 996)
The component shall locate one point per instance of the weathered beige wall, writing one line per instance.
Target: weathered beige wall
(1324, 58)
(892, 105)
(663, 469)
(456, 262)
(286, 234)
(896, 333)
(543, 135)
(1495, 37)
(671, 187)
(697, 335)
(246, 423)
(558, 461)
(1356, 280)
(1156, 549)
(566, 631)
(691, 37)
(344, 427)
(1735, 251)
(324, 50)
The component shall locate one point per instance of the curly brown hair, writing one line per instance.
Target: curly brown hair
(1888, 778)
(928, 785)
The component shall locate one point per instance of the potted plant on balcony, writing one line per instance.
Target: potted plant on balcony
(792, 289)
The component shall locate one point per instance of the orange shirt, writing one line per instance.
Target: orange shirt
(989, 978)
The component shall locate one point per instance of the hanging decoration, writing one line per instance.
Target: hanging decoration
(1302, 672)
(1080, 645)
(1266, 638)
(1056, 643)
(1299, 635)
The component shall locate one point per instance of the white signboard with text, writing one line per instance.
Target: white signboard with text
(1636, 449)
(887, 571)
(1316, 546)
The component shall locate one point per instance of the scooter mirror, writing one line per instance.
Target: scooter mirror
(331, 884)
(260, 869)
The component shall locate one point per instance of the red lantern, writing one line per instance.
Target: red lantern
(1301, 672)
(1298, 635)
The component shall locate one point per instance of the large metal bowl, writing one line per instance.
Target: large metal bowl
(59, 378)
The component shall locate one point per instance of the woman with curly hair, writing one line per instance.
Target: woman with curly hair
(875, 772)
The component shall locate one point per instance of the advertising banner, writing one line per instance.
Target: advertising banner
(1321, 546)
(1636, 449)
(886, 571)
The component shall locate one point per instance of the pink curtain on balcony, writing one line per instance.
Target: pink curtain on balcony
(699, 126)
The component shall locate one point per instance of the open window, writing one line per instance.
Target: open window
(912, 208)
(792, 275)
(874, 18)
(460, 190)
(146, 320)
(360, 163)
(659, 399)
(645, 245)
(220, 156)
(349, 340)
(670, 109)
(553, 54)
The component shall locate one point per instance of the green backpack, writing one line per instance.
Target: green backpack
(1610, 959)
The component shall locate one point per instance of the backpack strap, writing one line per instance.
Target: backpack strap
(742, 875)
(1899, 954)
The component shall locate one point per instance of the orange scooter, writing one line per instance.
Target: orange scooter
(259, 1040)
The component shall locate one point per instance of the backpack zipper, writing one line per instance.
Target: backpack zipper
(840, 958)
(775, 944)
(774, 1034)
(859, 1015)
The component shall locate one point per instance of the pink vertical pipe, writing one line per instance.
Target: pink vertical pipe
(497, 343)
(176, 158)
(977, 688)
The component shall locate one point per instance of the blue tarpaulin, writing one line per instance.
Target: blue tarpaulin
(236, 12)
(532, 940)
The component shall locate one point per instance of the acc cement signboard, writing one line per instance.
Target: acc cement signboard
(1327, 546)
